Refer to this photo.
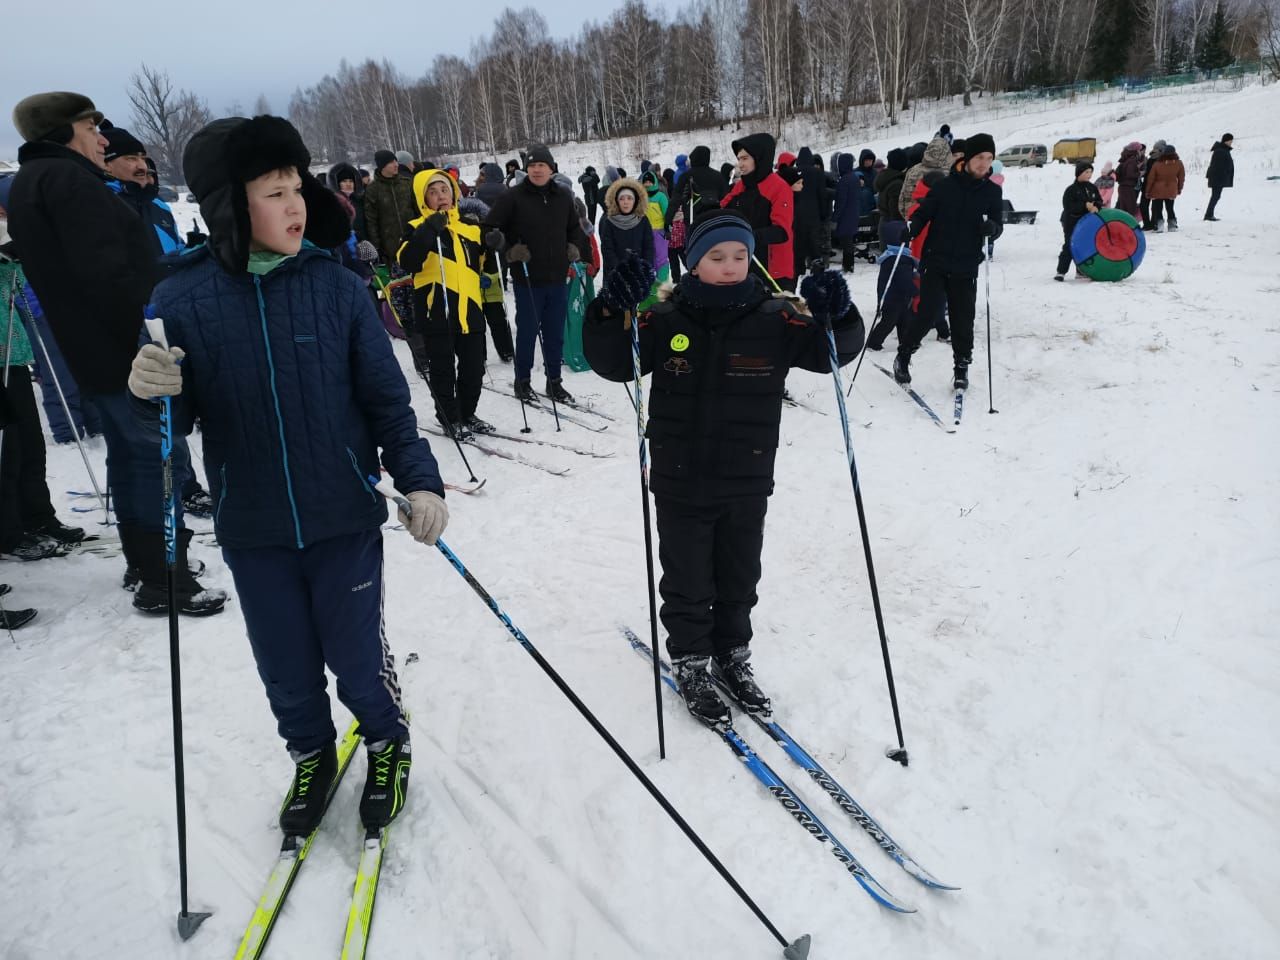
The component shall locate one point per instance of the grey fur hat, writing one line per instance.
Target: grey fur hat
(41, 114)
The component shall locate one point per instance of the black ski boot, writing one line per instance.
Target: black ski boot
(132, 577)
(734, 670)
(15, 619)
(33, 546)
(59, 531)
(304, 805)
(454, 428)
(144, 550)
(198, 503)
(961, 376)
(556, 390)
(902, 367)
(387, 782)
(699, 690)
(524, 391)
(476, 425)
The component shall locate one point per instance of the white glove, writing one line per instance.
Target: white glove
(155, 372)
(430, 516)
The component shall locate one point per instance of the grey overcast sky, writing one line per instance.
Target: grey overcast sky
(232, 50)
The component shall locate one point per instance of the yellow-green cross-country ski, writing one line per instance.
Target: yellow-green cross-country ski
(360, 916)
(292, 854)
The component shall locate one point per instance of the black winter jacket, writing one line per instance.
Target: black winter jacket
(617, 244)
(700, 190)
(1222, 168)
(958, 209)
(888, 187)
(813, 206)
(88, 258)
(544, 220)
(718, 376)
(590, 183)
(1074, 199)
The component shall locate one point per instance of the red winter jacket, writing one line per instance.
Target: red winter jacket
(766, 204)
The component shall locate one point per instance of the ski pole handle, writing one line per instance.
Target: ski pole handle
(388, 489)
(155, 330)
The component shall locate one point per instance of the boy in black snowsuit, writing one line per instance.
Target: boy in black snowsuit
(1080, 198)
(965, 210)
(896, 286)
(719, 347)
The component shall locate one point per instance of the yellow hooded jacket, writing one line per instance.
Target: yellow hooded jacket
(462, 248)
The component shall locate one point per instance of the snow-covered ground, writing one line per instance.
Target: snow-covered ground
(1081, 596)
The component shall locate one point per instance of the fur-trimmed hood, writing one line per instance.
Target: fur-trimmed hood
(227, 154)
(625, 183)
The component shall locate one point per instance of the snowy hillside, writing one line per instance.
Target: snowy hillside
(1080, 593)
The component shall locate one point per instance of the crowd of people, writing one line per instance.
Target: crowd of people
(276, 351)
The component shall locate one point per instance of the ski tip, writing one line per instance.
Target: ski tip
(189, 923)
(926, 878)
(798, 949)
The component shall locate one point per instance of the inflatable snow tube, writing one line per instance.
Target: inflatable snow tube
(1107, 245)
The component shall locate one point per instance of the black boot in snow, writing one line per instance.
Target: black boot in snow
(902, 367)
(961, 378)
(699, 690)
(33, 546)
(556, 390)
(454, 428)
(476, 425)
(387, 782)
(132, 577)
(145, 550)
(198, 503)
(524, 391)
(304, 804)
(734, 669)
(59, 531)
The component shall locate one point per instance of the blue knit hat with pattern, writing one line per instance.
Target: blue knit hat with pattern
(722, 227)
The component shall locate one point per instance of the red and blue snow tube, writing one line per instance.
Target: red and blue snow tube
(1107, 245)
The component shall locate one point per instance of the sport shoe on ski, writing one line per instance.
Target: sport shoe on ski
(387, 782)
(455, 429)
(557, 392)
(734, 670)
(524, 391)
(699, 690)
(59, 531)
(14, 619)
(961, 378)
(304, 805)
(33, 546)
(476, 425)
(902, 368)
(1060, 277)
(198, 503)
(1173, 226)
(200, 603)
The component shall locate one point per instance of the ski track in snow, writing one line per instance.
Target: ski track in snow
(1079, 593)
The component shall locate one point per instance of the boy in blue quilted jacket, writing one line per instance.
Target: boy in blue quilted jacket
(287, 366)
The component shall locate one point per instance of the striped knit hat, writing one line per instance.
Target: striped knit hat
(718, 228)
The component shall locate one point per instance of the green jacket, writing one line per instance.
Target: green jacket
(12, 280)
(388, 207)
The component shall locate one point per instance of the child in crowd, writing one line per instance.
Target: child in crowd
(444, 252)
(897, 286)
(719, 347)
(284, 361)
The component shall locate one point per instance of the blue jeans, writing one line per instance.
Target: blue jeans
(56, 374)
(134, 472)
(540, 309)
(316, 607)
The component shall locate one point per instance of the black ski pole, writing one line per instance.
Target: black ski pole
(793, 950)
(991, 406)
(188, 922)
(537, 323)
(448, 424)
(900, 754)
(632, 320)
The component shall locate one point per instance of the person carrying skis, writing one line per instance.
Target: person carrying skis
(766, 202)
(443, 251)
(962, 213)
(1080, 198)
(286, 363)
(719, 347)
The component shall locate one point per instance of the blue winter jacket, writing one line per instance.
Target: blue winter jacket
(847, 209)
(155, 213)
(296, 387)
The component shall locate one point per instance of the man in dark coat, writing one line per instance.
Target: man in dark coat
(1129, 177)
(888, 185)
(1080, 198)
(700, 190)
(90, 261)
(388, 205)
(847, 209)
(535, 226)
(1222, 172)
(590, 182)
(962, 212)
(812, 210)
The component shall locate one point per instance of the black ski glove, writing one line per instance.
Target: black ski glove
(439, 222)
(519, 253)
(494, 240)
(994, 229)
(827, 296)
(628, 284)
